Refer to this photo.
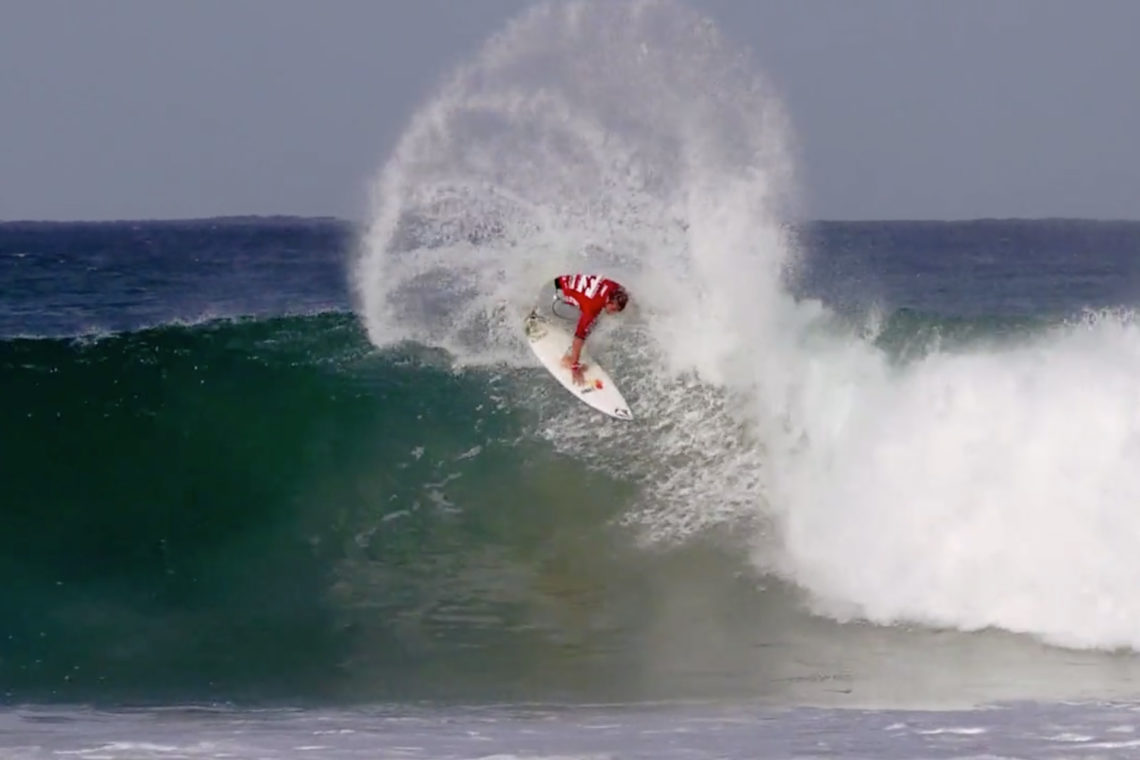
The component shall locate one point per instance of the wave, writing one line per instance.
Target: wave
(379, 502)
(180, 500)
(273, 509)
(898, 472)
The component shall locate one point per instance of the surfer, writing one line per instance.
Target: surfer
(591, 294)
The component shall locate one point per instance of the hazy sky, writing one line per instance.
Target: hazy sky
(902, 108)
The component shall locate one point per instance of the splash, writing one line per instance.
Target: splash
(968, 488)
(975, 489)
(628, 138)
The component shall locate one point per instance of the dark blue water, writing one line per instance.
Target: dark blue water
(63, 279)
(77, 278)
(976, 269)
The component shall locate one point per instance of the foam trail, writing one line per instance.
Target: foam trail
(987, 487)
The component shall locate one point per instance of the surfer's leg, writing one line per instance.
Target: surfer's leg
(561, 305)
(551, 294)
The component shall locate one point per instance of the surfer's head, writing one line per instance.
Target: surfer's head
(617, 300)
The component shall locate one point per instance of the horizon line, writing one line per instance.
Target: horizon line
(251, 218)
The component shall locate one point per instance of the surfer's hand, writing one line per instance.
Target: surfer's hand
(576, 369)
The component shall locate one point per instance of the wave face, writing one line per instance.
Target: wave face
(271, 510)
(267, 509)
(940, 490)
(162, 487)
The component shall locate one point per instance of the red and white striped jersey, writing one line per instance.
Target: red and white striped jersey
(589, 292)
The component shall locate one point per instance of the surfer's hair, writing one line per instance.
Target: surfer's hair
(620, 297)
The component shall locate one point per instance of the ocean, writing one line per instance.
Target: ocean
(235, 525)
(285, 487)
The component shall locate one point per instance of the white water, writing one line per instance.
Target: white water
(981, 489)
(993, 488)
(557, 732)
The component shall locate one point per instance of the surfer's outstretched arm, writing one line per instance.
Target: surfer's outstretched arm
(572, 360)
(575, 354)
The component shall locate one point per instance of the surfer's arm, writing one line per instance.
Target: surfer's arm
(585, 322)
(573, 357)
(576, 350)
(590, 313)
(572, 360)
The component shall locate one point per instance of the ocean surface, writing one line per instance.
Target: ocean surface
(287, 487)
(234, 524)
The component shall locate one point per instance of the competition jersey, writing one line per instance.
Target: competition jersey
(589, 292)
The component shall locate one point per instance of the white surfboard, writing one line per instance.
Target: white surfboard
(550, 343)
